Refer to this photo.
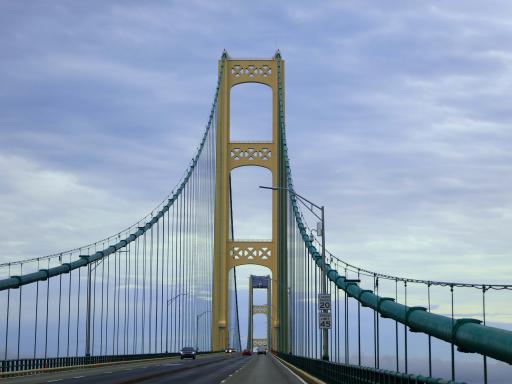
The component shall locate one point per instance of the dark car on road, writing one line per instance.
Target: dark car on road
(188, 352)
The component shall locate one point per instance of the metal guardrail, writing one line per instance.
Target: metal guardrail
(58, 362)
(20, 365)
(334, 373)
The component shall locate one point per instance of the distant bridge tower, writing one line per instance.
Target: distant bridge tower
(229, 253)
(259, 282)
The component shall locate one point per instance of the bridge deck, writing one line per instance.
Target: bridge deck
(205, 369)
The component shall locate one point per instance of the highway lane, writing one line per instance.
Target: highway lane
(263, 369)
(205, 369)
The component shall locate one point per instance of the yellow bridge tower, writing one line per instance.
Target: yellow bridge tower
(228, 252)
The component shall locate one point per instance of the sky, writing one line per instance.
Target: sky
(398, 121)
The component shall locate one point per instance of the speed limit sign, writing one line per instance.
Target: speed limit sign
(324, 320)
(324, 302)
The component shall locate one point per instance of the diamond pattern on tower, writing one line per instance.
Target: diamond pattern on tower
(250, 253)
(251, 70)
(251, 154)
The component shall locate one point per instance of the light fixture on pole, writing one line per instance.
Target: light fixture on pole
(167, 325)
(197, 328)
(321, 232)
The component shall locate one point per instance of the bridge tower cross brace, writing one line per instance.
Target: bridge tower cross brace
(228, 252)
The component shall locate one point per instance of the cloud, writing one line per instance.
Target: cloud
(45, 212)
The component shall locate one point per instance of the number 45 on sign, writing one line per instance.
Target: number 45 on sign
(324, 320)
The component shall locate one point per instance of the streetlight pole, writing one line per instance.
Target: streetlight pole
(309, 205)
(167, 323)
(197, 328)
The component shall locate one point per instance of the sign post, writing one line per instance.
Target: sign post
(324, 311)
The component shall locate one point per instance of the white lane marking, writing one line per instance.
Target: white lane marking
(77, 377)
(107, 372)
(171, 365)
(289, 370)
(127, 369)
(53, 381)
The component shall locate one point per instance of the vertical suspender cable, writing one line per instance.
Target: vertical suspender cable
(162, 285)
(60, 301)
(37, 310)
(69, 306)
(396, 330)
(136, 310)
(93, 322)
(78, 309)
(175, 264)
(157, 279)
(484, 322)
(358, 325)
(167, 283)
(102, 299)
(47, 312)
(307, 301)
(108, 302)
(126, 309)
(336, 321)
(117, 303)
(184, 320)
(143, 319)
(345, 325)
(374, 327)
(173, 288)
(116, 254)
(190, 296)
(192, 258)
(7, 317)
(377, 338)
(405, 331)
(318, 342)
(151, 291)
(135, 299)
(429, 337)
(452, 345)
(180, 273)
(19, 313)
(119, 259)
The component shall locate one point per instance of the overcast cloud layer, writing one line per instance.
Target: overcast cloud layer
(398, 120)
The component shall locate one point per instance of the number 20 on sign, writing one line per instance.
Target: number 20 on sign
(324, 302)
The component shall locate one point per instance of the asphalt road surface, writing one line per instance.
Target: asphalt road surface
(206, 369)
(263, 369)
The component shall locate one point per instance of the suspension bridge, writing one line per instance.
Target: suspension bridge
(120, 310)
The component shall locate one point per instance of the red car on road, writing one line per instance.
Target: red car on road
(246, 352)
